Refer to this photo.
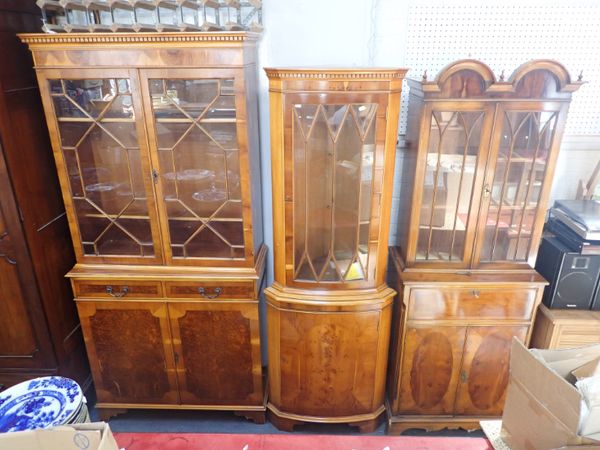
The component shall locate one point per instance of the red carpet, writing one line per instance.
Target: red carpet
(193, 441)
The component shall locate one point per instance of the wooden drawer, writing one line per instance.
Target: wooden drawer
(475, 303)
(117, 289)
(211, 290)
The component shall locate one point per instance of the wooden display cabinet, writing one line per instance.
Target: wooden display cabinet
(333, 136)
(476, 177)
(156, 142)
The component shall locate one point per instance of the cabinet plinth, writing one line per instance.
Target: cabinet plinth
(333, 135)
(155, 137)
(476, 176)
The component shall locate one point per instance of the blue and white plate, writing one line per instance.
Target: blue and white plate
(40, 403)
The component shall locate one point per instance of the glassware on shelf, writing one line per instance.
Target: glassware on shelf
(210, 15)
(54, 16)
(251, 15)
(146, 15)
(150, 15)
(123, 14)
(211, 194)
(100, 14)
(167, 15)
(230, 15)
(76, 15)
(189, 15)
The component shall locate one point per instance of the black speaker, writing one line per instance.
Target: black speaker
(596, 302)
(573, 277)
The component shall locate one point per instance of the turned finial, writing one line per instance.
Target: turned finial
(425, 75)
(580, 77)
(502, 76)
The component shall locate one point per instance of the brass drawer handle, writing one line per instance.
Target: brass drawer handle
(123, 293)
(203, 293)
(476, 293)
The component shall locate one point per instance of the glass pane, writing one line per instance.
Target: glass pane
(520, 169)
(454, 141)
(95, 98)
(333, 171)
(199, 161)
(99, 142)
(182, 98)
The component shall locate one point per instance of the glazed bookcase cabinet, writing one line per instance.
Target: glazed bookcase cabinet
(476, 177)
(333, 137)
(156, 143)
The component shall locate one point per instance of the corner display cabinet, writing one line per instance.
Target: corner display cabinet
(156, 143)
(477, 172)
(333, 138)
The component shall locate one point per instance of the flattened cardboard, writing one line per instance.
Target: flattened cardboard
(542, 408)
(89, 436)
(587, 370)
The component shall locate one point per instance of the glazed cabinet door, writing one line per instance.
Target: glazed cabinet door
(430, 369)
(95, 122)
(484, 372)
(452, 156)
(129, 349)
(217, 352)
(334, 160)
(523, 154)
(196, 119)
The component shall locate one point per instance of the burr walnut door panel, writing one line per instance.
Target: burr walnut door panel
(328, 362)
(430, 369)
(484, 372)
(128, 345)
(217, 352)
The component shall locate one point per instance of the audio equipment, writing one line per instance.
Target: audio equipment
(573, 277)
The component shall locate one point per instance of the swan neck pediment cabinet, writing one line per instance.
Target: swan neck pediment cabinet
(155, 138)
(476, 177)
(333, 137)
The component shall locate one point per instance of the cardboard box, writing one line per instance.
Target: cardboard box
(86, 436)
(587, 370)
(542, 409)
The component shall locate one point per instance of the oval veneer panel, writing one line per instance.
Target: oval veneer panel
(488, 377)
(431, 370)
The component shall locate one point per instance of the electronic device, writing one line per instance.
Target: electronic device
(573, 277)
